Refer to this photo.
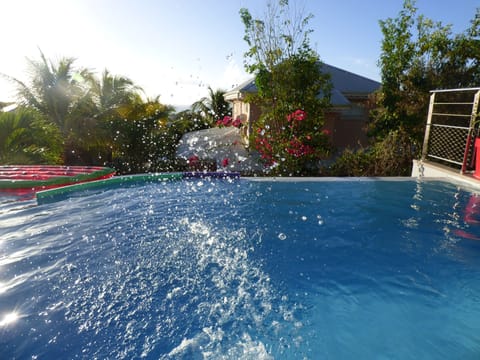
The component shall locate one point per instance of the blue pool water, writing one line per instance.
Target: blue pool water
(242, 269)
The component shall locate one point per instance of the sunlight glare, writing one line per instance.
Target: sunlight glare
(9, 318)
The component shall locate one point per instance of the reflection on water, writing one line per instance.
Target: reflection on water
(471, 219)
(242, 269)
(9, 318)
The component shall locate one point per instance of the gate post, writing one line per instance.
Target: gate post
(427, 128)
(471, 131)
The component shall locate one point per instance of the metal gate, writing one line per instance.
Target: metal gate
(452, 127)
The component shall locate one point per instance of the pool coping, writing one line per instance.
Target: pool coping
(423, 169)
(52, 195)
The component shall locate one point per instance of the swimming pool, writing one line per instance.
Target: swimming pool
(237, 268)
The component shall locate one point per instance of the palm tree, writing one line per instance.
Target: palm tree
(213, 107)
(61, 93)
(56, 90)
(109, 97)
(112, 91)
(26, 138)
(81, 106)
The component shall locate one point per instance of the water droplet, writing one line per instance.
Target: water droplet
(304, 218)
(282, 236)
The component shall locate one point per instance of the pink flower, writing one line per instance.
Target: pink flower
(193, 159)
(326, 132)
(225, 162)
(237, 122)
(299, 115)
(227, 120)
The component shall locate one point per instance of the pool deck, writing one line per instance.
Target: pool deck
(428, 170)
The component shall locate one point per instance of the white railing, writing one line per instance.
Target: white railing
(451, 127)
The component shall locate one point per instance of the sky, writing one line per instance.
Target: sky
(176, 49)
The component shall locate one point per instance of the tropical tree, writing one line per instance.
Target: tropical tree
(419, 55)
(61, 93)
(56, 90)
(111, 92)
(97, 121)
(213, 107)
(143, 140)
(26, 138)
(110, 97)
(293, 92)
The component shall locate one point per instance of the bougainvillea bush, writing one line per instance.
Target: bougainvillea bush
(291, 145)
(292, 97)
(229, 121)
(292, 90)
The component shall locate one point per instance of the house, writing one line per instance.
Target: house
(346, 120)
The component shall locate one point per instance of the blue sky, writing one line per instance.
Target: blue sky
(176, 49)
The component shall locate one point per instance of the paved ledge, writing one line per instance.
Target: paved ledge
(427, 169)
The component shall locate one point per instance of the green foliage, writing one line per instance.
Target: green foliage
(419, 55)
(289, 79)
(111, 92)
(76, 118)
(188, 120)
(143, 139)
(281, 34)
(61, 93)
(26, 138)
(293, 146)
(55, 90)
(292, 86)
(92, 133)
(391, 156)
(212, 108)
(352, 163)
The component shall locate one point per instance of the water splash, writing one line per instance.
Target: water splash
(183, 270)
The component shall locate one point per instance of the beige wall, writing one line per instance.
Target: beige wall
(249, 113)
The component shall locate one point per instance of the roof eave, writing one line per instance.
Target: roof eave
(233, 95)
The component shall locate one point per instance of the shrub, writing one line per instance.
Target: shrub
(291, 146)
(391, 156)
